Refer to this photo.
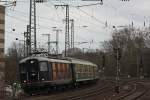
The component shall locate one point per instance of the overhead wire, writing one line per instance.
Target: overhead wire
(88, 15)
(41, 17)
(125, 13)
(57, 15)
(24, 20)
(77, 8)
(93, 17)
(84, 19)
(101, 22)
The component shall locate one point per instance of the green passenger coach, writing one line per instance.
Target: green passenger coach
(84, 70)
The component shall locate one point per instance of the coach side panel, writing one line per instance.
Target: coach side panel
(84, 72)
(61, 73)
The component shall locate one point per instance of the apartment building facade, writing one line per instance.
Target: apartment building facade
(2, 42)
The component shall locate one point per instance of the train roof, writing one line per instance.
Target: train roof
(81, 61)
(64, 60)
(44, 59)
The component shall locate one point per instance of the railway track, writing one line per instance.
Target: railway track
(66, 94)
(135, 93)
(99, 94)
(90, 93)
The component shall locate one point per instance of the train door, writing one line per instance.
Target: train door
(23, 72)
(44, 68)
(33, 69)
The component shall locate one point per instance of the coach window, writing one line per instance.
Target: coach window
(43, 66)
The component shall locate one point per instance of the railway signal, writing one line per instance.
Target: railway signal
(117, 54)
(103, 64)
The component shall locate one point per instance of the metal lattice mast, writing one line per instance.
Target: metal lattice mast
(72, 34)
(67, 41)
(28, 41)
(32, 25)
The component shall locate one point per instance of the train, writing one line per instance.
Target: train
(49, 73)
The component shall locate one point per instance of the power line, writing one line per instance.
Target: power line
(93, 17)
(24, 20)
(78, 9)
(20, 19)
(91, 4)
(41, 17)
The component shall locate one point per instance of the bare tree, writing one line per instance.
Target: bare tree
(14, 54)
(132, 43)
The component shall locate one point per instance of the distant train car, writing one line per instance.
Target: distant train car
(84, 71)
(46, 73)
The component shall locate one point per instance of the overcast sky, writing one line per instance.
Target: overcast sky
(114, 12)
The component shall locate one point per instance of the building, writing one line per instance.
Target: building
(2, 40)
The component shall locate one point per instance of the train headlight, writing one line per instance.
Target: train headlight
(25, 81)
(43, 79)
